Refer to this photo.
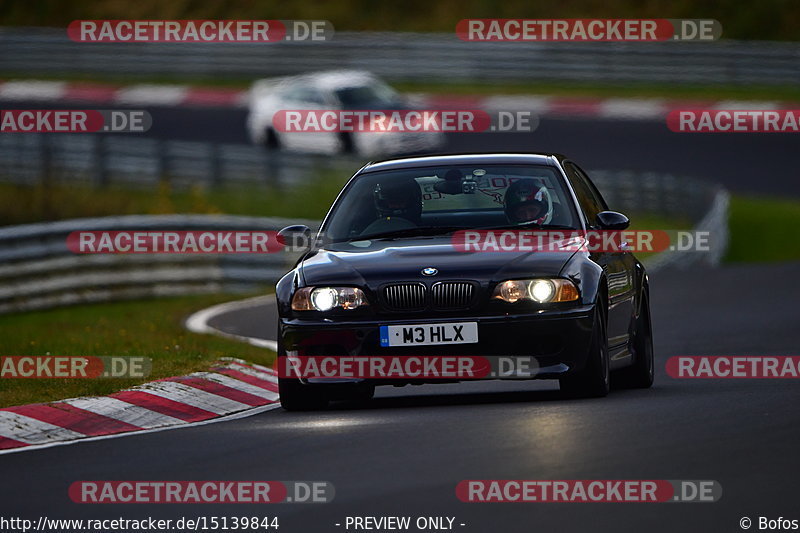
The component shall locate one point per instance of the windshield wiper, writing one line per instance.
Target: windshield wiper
(409, 232)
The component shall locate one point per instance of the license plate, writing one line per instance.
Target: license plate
(427, 334)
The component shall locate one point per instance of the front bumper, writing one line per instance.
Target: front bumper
(558, 340)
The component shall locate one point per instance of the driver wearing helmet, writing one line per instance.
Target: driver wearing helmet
(524, 202)
(398, 205)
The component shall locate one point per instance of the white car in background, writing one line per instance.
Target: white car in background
(333, 90)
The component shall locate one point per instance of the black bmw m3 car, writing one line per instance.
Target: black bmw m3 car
(423, 257)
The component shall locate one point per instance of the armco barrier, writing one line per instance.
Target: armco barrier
(440, 57)
(704, 204)
(38, 271)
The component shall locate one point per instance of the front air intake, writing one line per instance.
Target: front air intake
(404, 296)
(452, 294)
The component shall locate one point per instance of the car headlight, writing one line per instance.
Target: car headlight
(327, 298)
(539, 290)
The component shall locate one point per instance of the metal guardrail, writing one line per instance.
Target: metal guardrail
(437, 57)
(703, 204)
(37, 270)
(715, 223)
(666, 195)
(96, 159)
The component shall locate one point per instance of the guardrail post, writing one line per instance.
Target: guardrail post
(215, 163)
(162, 155)
(46, 176)
(99, 169)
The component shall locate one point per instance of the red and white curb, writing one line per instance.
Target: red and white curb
(134, 95)
(596, 108)
(545, 106)
(232, 389)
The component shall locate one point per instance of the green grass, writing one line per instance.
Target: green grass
(152, 328)
(22, 204)
(649, 221)
(763, 229)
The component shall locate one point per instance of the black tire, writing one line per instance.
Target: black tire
(346, 144)
(362, 393)
(271, 140)
(640, 374)
(594, 381)
(295, 396)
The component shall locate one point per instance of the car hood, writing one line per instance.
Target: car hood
(371, 263)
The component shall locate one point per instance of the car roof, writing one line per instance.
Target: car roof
(334, 79)
(464, 159)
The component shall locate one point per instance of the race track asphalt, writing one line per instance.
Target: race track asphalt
(405, 452)
(747, 163)
(760, 163)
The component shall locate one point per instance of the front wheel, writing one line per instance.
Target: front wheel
(362, 393)
(295, 396)
(346, 143)
(271, 140)
(594, 380)
(640, 374)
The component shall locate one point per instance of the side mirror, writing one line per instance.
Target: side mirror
(612, 220)
(296, 238)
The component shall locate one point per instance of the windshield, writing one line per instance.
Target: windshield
(363, 96)
(439, 200)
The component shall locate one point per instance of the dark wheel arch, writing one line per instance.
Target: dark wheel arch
(294, 395)
(271, 139)
(346, 143)
(641, 373)
(594, 380)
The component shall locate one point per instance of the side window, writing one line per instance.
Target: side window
(306, 95)
(588, 196)
(595, 193)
